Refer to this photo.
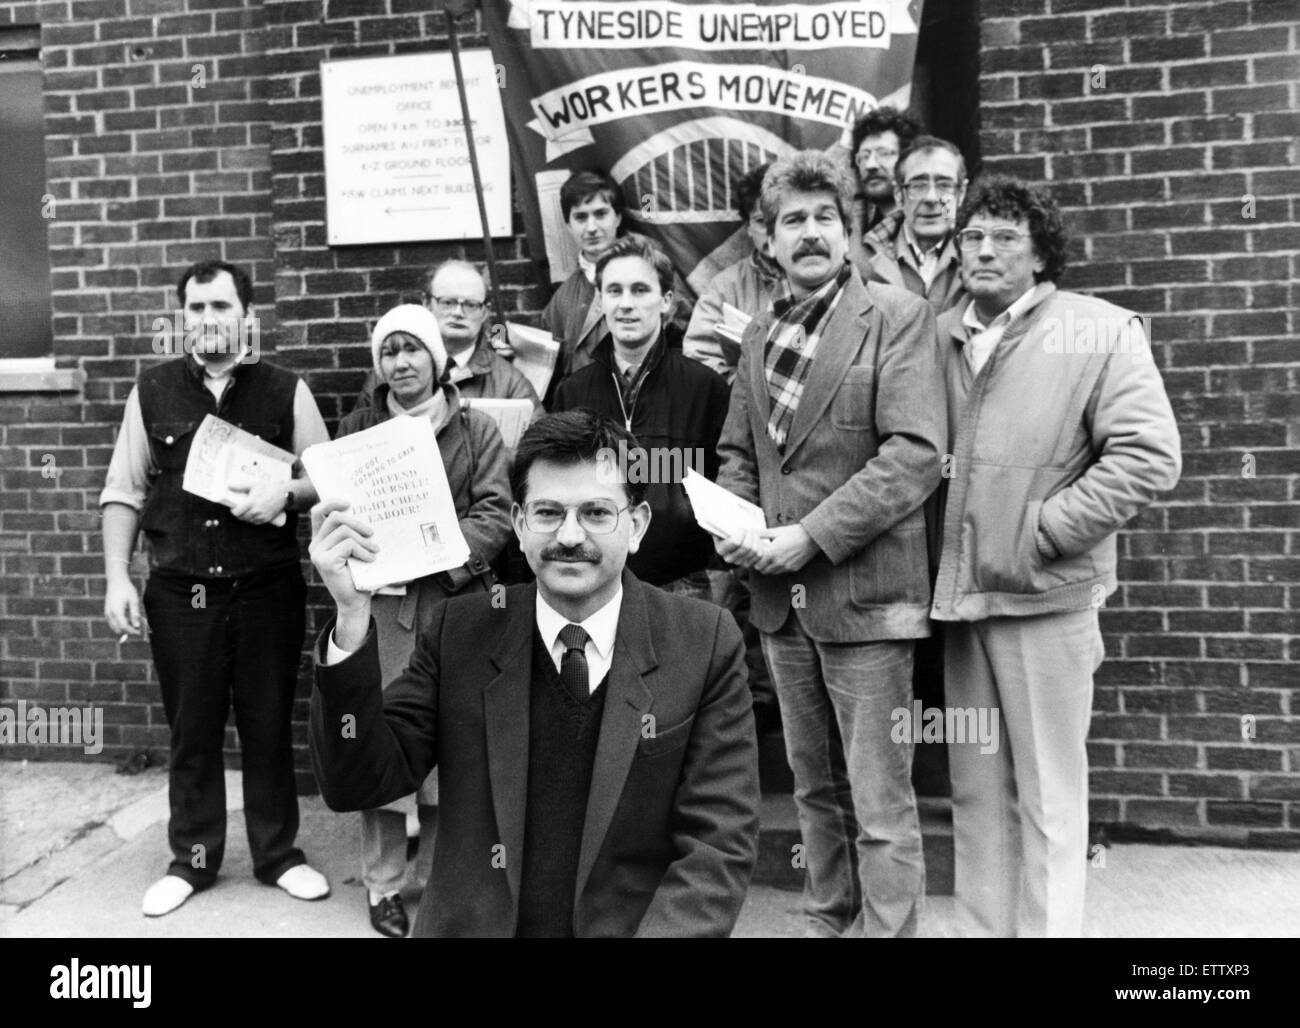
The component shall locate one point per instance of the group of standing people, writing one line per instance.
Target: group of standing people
(928, 464)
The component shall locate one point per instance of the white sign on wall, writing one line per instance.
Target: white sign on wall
(396, 159)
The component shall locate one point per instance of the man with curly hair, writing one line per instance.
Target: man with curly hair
(1059, 432)
(879, 137)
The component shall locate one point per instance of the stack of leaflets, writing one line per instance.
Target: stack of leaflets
(511, 416)
(222, 454)
(719, 511)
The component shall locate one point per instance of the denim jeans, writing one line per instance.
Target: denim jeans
(853, 787)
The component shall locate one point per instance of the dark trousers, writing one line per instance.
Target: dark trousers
(215, 640)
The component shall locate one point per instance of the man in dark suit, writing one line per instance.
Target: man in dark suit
(836, 428)
(597, 778)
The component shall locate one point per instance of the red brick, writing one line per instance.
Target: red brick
(1252, 814)
(1152, 755)
(1207, 728)
(1178, 813)
(1228, 787)
(1130, 783)
(1209, 18)
(1160, 701)
(1243, 758)
(1274, 787)
(1130, 134)
(1112, 726)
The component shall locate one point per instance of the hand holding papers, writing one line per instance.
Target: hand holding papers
(222, 455)
(719, 512)
(393, 478)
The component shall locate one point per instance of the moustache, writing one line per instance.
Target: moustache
(811, 250)
(577, 555)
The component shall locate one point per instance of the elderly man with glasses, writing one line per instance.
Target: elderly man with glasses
(457, 296)
(912, 246)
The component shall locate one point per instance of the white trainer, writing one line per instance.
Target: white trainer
(304, 883)
(165, 895)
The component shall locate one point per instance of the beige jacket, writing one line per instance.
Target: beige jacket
(1052, 447)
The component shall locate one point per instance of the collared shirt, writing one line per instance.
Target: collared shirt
(601, 628)
(588, 268)
(981, 339)
(624, 366)
(630, 384)
(127, 480)
(459, 361)
(926, 261)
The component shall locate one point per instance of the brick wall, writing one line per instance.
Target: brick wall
(177, 130)
(1152, 160)
(157, 154)
(328, 299)
(1168, 132)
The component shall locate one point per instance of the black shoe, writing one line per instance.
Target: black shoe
(388, 917)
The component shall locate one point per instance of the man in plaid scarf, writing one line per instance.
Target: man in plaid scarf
(836, 428)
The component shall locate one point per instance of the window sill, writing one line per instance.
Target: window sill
(39, 375)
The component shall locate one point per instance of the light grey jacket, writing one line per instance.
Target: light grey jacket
(862, 455)
(1052, 450)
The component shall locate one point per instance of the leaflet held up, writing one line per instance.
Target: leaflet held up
(392, 475)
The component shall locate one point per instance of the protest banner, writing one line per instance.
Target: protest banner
(677, 99)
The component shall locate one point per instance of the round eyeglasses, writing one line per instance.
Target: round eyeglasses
(919, 187)
(447, 304)
(597, 517)
(1005, 240)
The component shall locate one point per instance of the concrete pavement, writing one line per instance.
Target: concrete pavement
(79, 844)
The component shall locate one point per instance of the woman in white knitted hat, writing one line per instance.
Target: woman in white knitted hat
(409, 362)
